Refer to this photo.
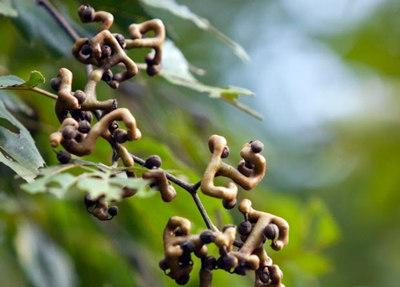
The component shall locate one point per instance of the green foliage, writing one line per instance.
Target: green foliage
(184, 12)
(109, 181)
(11, 81)
(344, 232)
(6, 9)
(18, 150)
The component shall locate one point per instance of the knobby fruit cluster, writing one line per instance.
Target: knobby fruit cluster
(240, 248)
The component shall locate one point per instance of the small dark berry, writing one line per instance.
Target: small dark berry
(86, 13)
(263, 275)
(84, 126)
(185, 260)
(153, 70)
(63, 157)
(114, 105)
(188, 246)
(107, 76)
(77, 115)
(79, 137)
(182, 280)
(68, 133)
(120, 136)
(113, 126)
(55, 84)
(86, 50)
(87, 116)
(163, 264)
(149, 59)
(153, 161)
(227, 262)
(240, 270)
(207, 236)
(271, 231)
(80, 96)
(106, 51)
(244, 228)
(248, 164)
(256, 146)
(209, 263)
(113, 211)
(225, 152)
(121, 40)
(229, 204)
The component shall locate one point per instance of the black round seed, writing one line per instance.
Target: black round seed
(271, 231)
(84, 126)
(86, 50)
(120, 39)
(227, 262)
(209, 263)
(113, 126)
(87, 116)
(185, 260)
(80, 96)
(86, 13)
(63, 157)
(188, 246)
(225, 152)
(207, 236)
(240, 270)
(256, 146)
(263, 275)
(76, 115)
(120, 136)
(229, 204)
(113, 211)
(106, 51)
(55, 84)
(182, 280)
(107, 76)
(163, 264)
(153, 70)
(153, 161)
(68, 133)
(244, 228)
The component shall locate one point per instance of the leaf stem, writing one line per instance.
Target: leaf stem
(32, 89)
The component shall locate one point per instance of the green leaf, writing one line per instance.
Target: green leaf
(17, 148)
(104, 181)
(176, 70)
(42, 260)
(6, 9)
(35, 23)
(57, 184)
(15, 104)
(35, 79)
(10, 81)
(184, 12)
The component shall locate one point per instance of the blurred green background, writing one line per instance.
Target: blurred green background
(326, 78)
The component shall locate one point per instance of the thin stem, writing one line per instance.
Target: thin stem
(59, 18)
(191, 188)
(33, 89)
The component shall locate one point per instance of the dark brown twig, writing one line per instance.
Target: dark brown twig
(191, 188)
(59, 18)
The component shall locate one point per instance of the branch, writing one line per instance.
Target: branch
(191, 188)
(33, 89)
(59, 18)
